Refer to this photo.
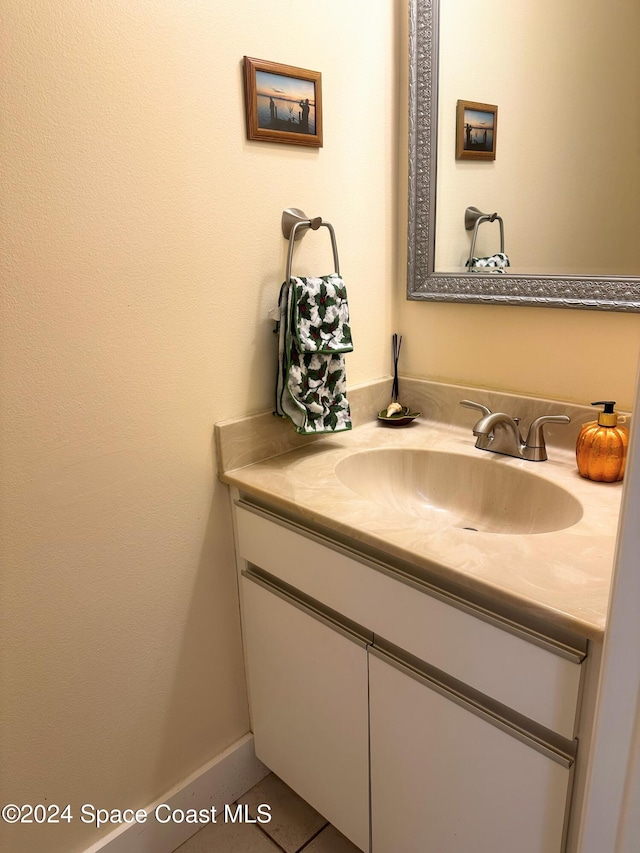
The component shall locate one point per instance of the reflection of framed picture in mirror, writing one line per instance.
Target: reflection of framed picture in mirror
(283, 103)
(476, 128)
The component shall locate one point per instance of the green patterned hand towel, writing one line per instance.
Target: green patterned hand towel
(314, 335)
(494, 263)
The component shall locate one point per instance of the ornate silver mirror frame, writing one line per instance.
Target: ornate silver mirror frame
(423, 283)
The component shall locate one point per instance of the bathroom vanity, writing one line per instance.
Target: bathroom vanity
(424, 677)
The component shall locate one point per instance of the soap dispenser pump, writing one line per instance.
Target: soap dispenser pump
(601, 449)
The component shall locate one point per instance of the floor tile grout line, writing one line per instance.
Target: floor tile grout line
(298, 849)
(313, 837)
(265, 832)
(272, 840)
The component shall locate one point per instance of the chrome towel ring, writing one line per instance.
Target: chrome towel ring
(295, 224)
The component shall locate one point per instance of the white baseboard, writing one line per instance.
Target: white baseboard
(220, 782)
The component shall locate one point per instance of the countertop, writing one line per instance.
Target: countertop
(562, 577)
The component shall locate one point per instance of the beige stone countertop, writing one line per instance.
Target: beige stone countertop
(562, 577)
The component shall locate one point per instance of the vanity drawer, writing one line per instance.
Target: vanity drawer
(539, 680)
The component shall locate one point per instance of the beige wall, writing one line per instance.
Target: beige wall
(143, 253)
(578, 356)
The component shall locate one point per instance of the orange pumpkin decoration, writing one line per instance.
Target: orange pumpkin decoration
(601, 449)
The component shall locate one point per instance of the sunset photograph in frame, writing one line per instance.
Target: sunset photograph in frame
(476, 129)
(283, 103)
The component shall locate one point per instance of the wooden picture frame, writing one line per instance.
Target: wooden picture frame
(282, 103)
(476, 131)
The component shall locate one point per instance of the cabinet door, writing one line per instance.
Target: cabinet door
(309, 706)
(444, 780)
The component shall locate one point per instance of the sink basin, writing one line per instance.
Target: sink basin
(483, 493)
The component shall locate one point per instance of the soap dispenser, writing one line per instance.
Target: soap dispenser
(601, 449)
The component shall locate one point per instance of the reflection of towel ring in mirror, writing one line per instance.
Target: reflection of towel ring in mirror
(294, 226)
(473, 218)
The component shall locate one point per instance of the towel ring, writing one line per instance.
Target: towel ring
(473, 218)
(295, 224)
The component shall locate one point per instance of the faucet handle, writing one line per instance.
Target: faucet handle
(535, 438)
(471, 404)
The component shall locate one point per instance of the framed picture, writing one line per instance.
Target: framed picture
(282, 103)
(476, 128)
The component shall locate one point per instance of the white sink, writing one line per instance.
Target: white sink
(484, 493)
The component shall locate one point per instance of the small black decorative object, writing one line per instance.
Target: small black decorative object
(395, 414)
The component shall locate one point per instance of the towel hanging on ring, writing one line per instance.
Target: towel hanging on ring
(497, 263)
(314, 335)
(494, 263)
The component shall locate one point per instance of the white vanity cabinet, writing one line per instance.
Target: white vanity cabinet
(445, 779)
(364, 678)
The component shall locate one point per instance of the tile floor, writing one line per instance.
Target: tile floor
(294, 827)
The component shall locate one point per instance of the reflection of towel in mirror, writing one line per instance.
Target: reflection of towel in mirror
(494, 263)
(314, 335)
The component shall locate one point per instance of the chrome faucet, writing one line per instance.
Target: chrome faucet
(500, 433)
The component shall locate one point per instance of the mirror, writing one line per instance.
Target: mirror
(539, 273)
